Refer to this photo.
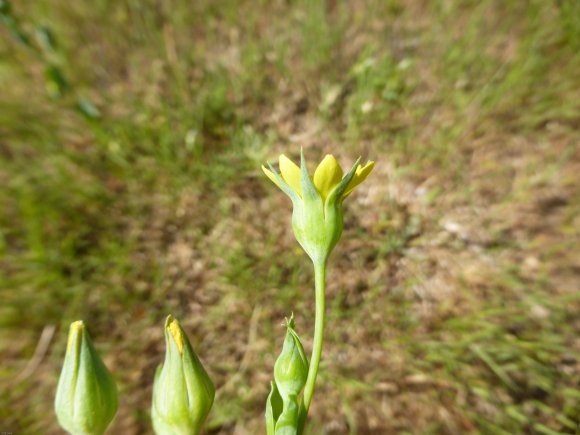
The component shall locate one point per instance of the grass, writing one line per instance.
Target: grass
(131, 136)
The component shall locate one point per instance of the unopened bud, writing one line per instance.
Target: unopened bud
(291, 368)
(86, 396)
(183, 393)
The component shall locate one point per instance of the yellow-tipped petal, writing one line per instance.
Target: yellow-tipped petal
(75, 327)
(176, 333)
(291, 173)
(362, 172)
(270, 175)
(327, 175)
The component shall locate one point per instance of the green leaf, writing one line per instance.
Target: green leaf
(87, 108)
(45, 38)
(56, 84)
(274, 408)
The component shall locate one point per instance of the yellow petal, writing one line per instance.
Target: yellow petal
(76, 329)
(176, 332)
(327, 175)
(291, 173)
(361, 174)
(270, 175)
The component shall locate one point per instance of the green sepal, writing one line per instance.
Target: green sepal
(274, 407)
(308, 221)
(309, 192)
(284, 186)
(287, 423)
(336, 196)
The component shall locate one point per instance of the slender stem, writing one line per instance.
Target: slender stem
(319, 284)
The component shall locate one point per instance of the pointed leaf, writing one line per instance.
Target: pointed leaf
(274, 408)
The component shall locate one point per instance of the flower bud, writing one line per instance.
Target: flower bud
(183, 393)
(291, 368)
(290, 374)
(86, 396)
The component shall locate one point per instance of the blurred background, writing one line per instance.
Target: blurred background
(131, 138)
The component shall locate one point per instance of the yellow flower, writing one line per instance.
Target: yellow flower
(317, 215)
(327, 175)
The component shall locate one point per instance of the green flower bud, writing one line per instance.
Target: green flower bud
(183, 393)
(317, 219)
(291, 368)
(86, 396)
(290, 373)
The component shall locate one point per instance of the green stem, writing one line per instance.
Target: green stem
(319, 284)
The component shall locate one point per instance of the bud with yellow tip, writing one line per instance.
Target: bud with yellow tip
(183, 393)
(86, 396)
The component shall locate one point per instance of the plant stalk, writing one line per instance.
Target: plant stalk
(319, 289)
